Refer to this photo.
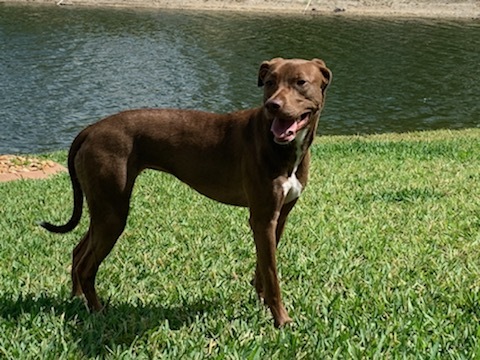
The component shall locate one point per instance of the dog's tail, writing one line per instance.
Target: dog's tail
(77, 193)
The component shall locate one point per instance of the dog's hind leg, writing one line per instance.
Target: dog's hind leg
(102, 236)
(76, 256)
(107, 185)
(108, 202)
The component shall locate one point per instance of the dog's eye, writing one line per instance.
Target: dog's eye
(269, 83)
(301, 82)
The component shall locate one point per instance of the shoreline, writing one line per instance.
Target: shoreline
(453, 9)
(16, 167)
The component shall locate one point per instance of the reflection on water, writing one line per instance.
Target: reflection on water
(62, 68)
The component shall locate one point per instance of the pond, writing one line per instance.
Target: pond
(62, 68)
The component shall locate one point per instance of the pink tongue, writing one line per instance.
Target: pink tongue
(284, 129)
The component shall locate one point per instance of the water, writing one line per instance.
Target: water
(62, 68)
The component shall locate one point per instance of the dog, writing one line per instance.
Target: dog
(256, 158)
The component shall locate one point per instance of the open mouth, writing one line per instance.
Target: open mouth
(285, 130)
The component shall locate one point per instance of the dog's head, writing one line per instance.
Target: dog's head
(294, 93)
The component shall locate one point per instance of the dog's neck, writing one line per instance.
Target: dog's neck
(288, 156)
(303, 141)
(300, 147)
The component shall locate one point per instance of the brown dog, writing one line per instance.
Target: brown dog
(256, 158)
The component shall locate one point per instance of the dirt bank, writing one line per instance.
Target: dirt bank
(13, 167)
(385, 8)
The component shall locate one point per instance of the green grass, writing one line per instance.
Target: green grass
(380, 259)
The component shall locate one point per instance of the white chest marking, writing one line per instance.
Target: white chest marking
(292, 189)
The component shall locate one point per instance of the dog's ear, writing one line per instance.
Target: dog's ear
(327, 74)
(264, 69)
(262, 72)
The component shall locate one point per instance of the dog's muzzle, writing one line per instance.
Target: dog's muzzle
(285, 129)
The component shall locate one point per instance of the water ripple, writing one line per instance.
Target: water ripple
(63, 68)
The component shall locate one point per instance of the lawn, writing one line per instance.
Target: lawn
(380, 259)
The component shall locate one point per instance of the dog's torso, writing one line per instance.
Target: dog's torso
(222, 151)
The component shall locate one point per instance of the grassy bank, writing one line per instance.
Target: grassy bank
(380, 259)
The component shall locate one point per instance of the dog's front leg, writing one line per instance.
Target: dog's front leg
(264, 225)
(257, 280)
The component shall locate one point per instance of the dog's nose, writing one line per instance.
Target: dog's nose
(273, 105)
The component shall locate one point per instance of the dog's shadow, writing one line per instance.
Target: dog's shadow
(119, 324)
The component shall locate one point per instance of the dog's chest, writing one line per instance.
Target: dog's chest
(292, 188)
